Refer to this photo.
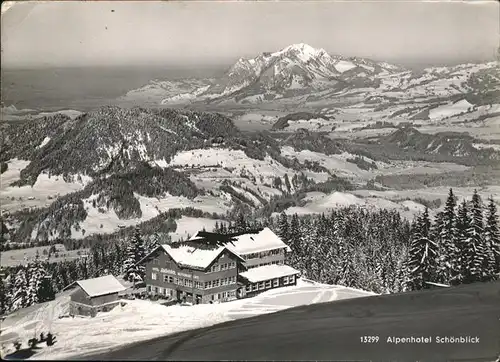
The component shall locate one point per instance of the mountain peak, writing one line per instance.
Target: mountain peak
(304, 50)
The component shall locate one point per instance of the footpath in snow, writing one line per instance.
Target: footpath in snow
(140, 320)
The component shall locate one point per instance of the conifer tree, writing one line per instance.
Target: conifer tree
(283, 227)
(476, 252)
(19, 298)
(294, 241)
(423, 254)
(448, 251)
(492, 236)
(134, 272)
(241, 224)
(463, 226)
(3, 297)
(36, 274)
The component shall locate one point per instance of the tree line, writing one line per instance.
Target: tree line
(377, 251)
(39, 281)
(461, 244)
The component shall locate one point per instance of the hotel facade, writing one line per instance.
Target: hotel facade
(201, 271)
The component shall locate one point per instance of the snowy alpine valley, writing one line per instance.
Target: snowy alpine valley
(293, 194)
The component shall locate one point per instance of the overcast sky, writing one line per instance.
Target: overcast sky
(173, 33)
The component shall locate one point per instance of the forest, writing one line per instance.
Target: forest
(377, 251)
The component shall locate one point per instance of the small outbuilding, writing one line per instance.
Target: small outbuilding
(91, 296)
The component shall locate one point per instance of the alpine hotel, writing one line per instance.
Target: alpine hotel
(212, 267)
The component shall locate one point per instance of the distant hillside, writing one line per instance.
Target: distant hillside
(407, 143)
(299, 119)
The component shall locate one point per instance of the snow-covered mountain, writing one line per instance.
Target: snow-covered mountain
(296, 69)
(302, 75)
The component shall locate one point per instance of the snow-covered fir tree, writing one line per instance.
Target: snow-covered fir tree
(294, 241)
(4, 303)
(448, 269)
(463, 227)
(153, 242)
(492, 236)
(423, 254)
(476, 253)
(20, 297)
(283, 227)
(134, 272)
(36, 274)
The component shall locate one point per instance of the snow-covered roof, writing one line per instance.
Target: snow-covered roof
(253, 243)
(268, 272)
(189, 255)
(101, 286)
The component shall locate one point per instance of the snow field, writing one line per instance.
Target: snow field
(140, 320)
(320, 202)
(150, 207)
(238, 162)
(16, 198)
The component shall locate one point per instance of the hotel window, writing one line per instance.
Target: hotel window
(160, 290)
(156, 290)
(291, 279)
(276, 282)
(285, 280)
(248, 288)
(148, 288)
(165, 278)
(170, 279)
(268, 284)
(154, 276)
(156, 261)
(208, 284)
(255, 286)
(168, 265)
(261, 285)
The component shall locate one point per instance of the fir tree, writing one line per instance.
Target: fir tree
(283, 227)
(448, 250)
(36, 274)
(492, 236)
(476, 252)
(463, 226)
(152, 243)
(294, 241)
(287, 183)
(134, 272)
(422, 255)
(19, 298)
(3, 297)
(241, 224)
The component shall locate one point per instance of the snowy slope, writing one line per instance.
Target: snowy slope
(140, 320)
